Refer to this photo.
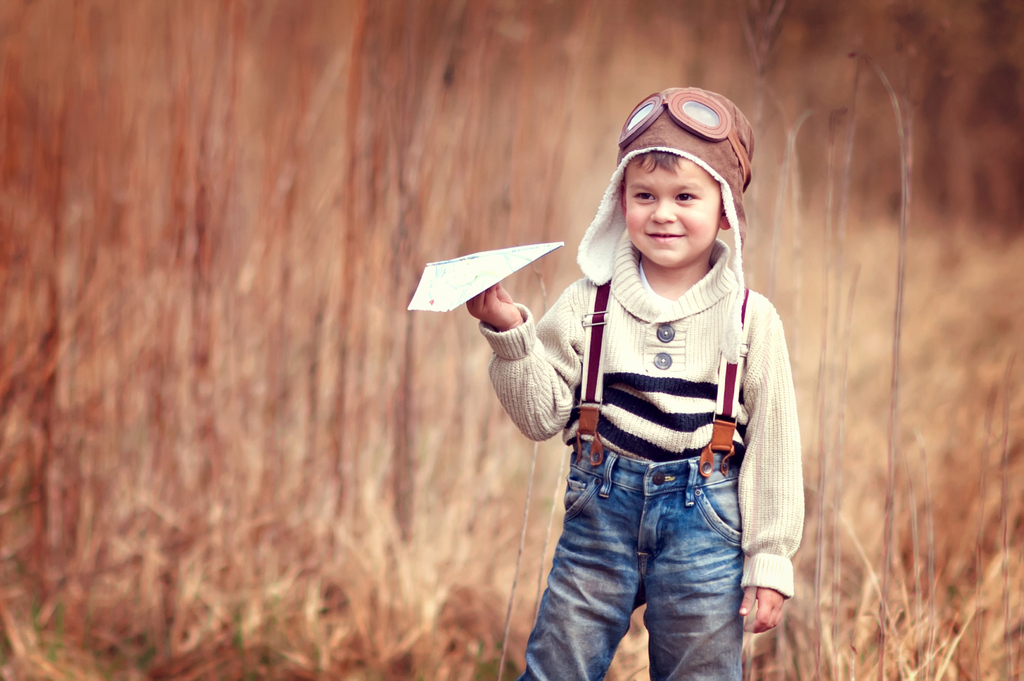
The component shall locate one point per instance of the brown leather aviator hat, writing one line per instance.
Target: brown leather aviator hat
(705, 124)
(705, 128)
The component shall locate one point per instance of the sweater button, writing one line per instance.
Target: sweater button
(666, 333)
(662, 360)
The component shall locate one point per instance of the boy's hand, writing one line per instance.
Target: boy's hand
(769, 608)
(495, 307)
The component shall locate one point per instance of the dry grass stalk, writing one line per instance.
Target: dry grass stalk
(838, 484)
(519, 561)
(782, 194)
(843, 371)
(903, 127)
(929, 650)
(823, 402)
(979, 566)
(1004, 514)
(760, 22)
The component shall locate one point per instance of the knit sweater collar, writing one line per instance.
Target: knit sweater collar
(629, 290)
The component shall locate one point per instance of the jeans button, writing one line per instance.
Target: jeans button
(662, 360)
(666, 333)
(658, 478)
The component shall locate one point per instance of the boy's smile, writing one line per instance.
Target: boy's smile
(673, 218)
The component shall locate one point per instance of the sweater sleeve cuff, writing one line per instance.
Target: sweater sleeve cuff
(515, 343)
(772, 572)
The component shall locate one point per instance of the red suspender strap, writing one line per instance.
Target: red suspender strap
(729, 400)
(596, 332)
(729, 377)
(591, 390)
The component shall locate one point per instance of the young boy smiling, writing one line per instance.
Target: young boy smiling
(672, 383)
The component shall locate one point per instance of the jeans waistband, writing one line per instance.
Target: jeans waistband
(652, 477)
(735, 461)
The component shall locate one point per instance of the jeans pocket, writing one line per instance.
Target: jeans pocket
(719, 503)
(579, 489)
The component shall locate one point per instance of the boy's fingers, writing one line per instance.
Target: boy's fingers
(502, 294)
(765, 619)
(478, 304)
(477, 301)
(769, 611)
(488, 299)
(473, 303)
(748, 601)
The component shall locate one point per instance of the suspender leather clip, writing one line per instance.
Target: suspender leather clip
(721, 442)
(590, 414)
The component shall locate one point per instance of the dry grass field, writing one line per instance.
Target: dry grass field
(228, 452)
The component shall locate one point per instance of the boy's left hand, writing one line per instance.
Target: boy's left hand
(769, 608)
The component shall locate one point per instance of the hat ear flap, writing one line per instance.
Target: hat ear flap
(596, 256)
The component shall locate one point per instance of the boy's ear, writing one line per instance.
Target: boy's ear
(723, 222)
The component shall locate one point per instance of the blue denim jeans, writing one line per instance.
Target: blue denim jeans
(635, 533)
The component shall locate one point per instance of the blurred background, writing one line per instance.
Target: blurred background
(227, 451)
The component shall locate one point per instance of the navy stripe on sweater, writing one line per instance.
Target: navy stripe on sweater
(668, 386)
(641, 408)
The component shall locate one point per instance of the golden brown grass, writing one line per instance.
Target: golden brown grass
(226, 449)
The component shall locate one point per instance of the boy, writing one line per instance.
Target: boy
(654, 514)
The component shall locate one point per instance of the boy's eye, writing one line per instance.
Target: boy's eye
(644, 196)
(684, 197)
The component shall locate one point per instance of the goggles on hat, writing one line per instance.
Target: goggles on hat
(691, 110)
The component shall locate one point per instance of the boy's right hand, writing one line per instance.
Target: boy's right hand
(495, 307)
(769, 608)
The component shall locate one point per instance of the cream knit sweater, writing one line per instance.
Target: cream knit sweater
(663, 414)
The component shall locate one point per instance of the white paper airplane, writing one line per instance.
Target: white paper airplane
(446, 285)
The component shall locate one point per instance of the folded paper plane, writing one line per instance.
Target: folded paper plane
(446, 285)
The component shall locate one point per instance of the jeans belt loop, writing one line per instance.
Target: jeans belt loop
(691, 484)
(606, 485)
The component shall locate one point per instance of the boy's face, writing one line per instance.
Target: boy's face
(673, 218)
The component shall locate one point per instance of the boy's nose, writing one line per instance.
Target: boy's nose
(664, 213)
